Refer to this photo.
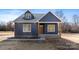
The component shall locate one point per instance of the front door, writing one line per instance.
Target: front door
(41, 29)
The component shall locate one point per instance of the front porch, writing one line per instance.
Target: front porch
(43, 31)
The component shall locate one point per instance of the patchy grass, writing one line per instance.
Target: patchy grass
(25, 45)
(65, 43)
(60, 44)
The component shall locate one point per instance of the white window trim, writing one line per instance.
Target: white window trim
(48, 28)
(25, 27)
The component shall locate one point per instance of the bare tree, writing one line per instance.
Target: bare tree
(10, 26)
(59, 13)
(65, 25)
(76, 19)
(75, 26)
(6, 27)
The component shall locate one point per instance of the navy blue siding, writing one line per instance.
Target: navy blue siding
(19, 30)
(34, 31)
(56, 29)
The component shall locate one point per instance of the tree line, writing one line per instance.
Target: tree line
(66, 26)
(7, 27)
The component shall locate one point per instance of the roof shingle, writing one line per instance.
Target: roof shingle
(49, 17)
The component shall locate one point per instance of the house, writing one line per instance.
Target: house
(31, 25)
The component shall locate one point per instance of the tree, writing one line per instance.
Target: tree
(10, 26)
(2, 26)
(75, 26)
(59, 13)
(76, 19)
(6, 27)
(65, 25)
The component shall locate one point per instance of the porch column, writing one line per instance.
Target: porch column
(59, 29)
(38, 28)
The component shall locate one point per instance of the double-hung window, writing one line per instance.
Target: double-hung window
(26, 27)
(50, 28)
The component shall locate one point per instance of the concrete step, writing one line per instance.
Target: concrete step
(13, 38)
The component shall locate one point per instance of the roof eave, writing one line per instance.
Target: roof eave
(23, 22)
(49, 22)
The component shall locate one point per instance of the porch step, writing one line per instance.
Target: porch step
(49, 36)
(14, 38)
(42, 38)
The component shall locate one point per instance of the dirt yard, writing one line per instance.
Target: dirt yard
(71, 36)
(67, 42)
(5, 35)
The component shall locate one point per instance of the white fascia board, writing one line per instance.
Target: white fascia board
(24, 22)
(49, 22)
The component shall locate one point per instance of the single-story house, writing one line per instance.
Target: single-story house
(30, 25)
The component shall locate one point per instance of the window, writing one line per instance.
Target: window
(26, 27)
(28, 16)
(51, 28)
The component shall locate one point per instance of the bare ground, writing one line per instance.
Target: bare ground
(71, 36)
(69, 41)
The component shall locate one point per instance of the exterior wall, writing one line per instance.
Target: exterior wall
(19, 30)
(56, 28)
(34, 30)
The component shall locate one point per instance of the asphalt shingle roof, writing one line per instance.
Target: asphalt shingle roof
(38, 17)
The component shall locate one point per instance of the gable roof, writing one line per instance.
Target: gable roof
(26, 13)
(49, 17)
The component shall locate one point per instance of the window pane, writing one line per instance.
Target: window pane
(51, 28)
(26, 27)
(28, 15)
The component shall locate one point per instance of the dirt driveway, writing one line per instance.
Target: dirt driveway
(5, 34)
(71, 36)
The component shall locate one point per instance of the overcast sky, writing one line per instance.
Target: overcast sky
(7, 15)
